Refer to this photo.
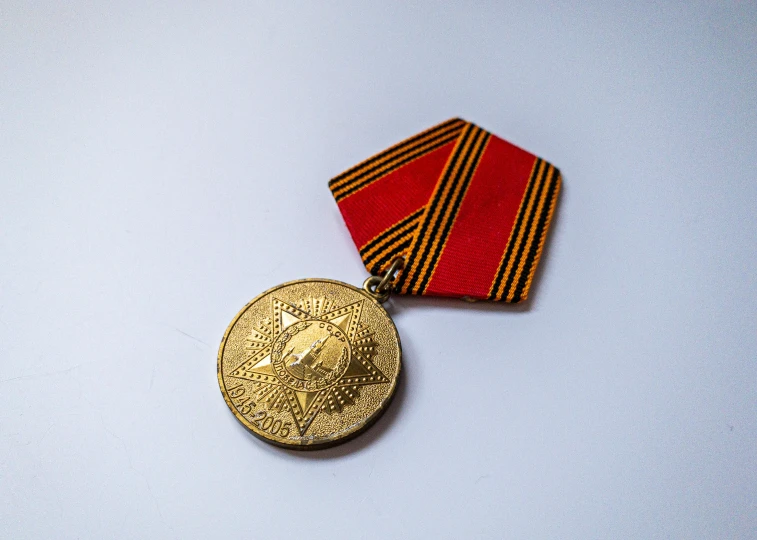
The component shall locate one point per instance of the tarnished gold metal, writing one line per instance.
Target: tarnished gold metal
(380, 288)
(310, 363)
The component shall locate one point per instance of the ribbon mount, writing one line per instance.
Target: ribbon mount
(468, 212)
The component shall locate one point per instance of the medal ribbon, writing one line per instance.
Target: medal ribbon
(468, 212)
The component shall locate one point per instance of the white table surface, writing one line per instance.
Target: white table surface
(152, 158)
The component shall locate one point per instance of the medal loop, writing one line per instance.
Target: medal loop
(380, 287)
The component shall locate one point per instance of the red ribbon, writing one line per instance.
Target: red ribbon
(468, 212)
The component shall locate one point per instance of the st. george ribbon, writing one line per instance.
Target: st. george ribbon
(467, 211)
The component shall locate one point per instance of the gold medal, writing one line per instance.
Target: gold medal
(310, 363)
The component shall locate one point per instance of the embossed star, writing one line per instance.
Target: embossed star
(310, 358)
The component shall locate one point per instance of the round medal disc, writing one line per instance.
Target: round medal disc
(309, 363)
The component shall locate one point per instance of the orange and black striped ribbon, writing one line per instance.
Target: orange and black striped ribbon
(467, 210)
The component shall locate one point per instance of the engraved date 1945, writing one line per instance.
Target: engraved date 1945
(261, 419)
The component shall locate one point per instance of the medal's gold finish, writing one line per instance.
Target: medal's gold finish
(309, 363)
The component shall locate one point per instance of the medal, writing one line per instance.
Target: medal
(309, 363)
(453, 211)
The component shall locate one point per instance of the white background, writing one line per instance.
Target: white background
(160, 165)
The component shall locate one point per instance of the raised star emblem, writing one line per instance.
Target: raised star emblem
(310, 358)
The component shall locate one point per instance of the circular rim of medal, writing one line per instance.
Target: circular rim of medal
(359, 427)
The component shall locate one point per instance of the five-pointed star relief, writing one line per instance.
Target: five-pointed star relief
(305, 403)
